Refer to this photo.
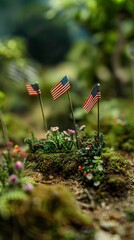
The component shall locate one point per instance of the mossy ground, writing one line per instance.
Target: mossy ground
(61, 164)
(52, 212)
(110, 206)
(49, 213)
(117, 170)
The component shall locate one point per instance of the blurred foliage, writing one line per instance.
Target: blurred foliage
(117, 178)
(116, 123)
(100, 33)
(17, 128)
(103, 57)
(43, 34)
(44, 40)
(2, 98)
(121, 134)
(11, 49)
(49, 212)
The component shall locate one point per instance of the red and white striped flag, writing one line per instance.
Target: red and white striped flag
(60, 88)
(93, 98)
(33, 89)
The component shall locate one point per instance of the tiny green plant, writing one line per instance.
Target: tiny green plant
(54, 141)
(88, 155)
(91, 165)
(12, 168)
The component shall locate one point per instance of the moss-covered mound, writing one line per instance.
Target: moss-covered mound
(64, 164)
(117, 177)
(49, 213)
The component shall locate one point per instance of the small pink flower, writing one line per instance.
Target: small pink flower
(18, 165)
(71, 131)
(23, 154)
(87, 148)
(54, 129)
(67, 139)
(28, 187)
(13, 179)
(66, 133)
(10, 143)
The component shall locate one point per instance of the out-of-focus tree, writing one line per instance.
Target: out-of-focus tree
(46, 37)
(110, 28)
(29, 38)
(99, 51)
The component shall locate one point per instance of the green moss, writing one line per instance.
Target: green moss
(50, 212)
(116, 182)
(116, 169)
(70, 168)
(117, 175)
(130, 214)
(128, 145)
(115, 162)
(121, 135)
(58, 163)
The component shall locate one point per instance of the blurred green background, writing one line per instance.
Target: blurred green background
(90, 41)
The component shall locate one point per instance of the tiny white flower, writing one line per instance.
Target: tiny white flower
(66, 133)
(97, 183)
(82, 127)
(89, 176)
(67, 139)
(54, 129)
(100, 168)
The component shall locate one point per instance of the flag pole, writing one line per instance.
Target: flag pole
(34, 90)
(98, 119)
(98, 85)
(43, 115)
(132, 71)
(71, 107)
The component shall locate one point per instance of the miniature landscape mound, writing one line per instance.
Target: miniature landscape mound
(58, 191)
(109, 206)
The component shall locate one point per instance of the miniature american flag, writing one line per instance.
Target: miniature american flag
(33, 89)
(93, 98)
(60, 88)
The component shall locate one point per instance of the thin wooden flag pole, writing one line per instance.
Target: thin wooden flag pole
(98, 90)
(98, 119)
(71, 107)
(132, 71)
(34, 90)
(43, 115)
(5, 133)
